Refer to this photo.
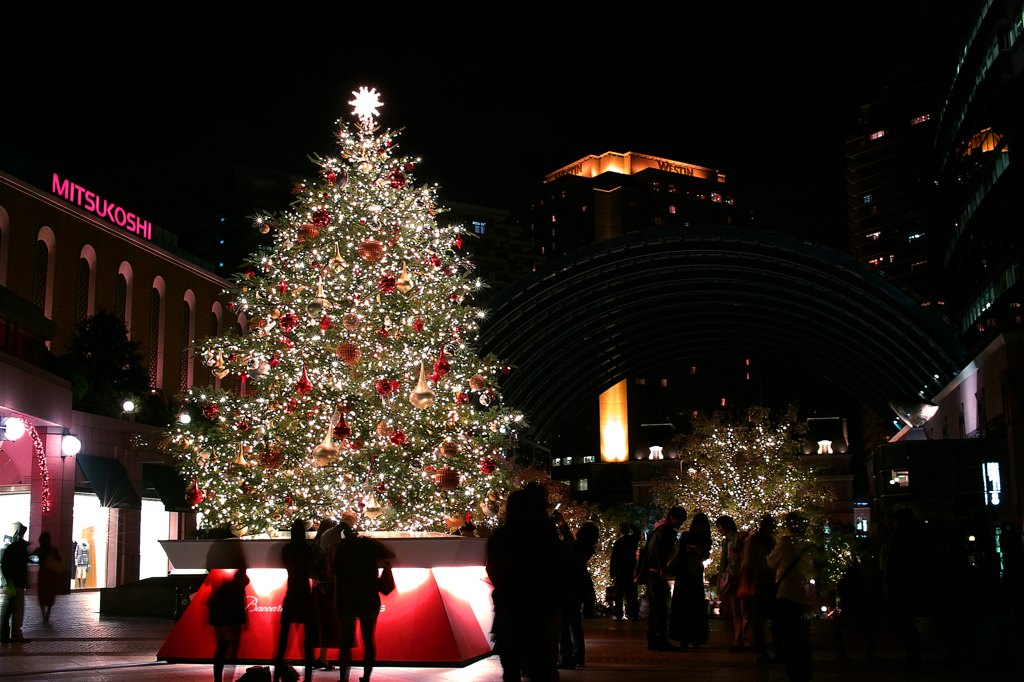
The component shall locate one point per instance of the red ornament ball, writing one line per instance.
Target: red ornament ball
(447, 478)
(321, 218)
(271, 457)
(288, 322)
(387, 283)
(355, 445)
(397, 180)
(409, 166)
(210, 410)
(488, 465)
(461, 399)
(398, 437)
(386, 387)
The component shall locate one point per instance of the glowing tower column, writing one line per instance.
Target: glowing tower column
(614, 424)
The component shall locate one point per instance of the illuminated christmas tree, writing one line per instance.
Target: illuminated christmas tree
(742, 470)
(356, 385)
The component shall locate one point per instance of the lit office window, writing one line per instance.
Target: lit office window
(715, 196)
(920, 119)
(874, 236)
(868, 198)
(588, 459)
(479, 228)
(582, 485)
(877, 134)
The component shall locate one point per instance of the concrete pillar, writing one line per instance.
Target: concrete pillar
(124, 554)
(58, 521)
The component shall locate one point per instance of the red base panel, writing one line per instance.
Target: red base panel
(435, 617)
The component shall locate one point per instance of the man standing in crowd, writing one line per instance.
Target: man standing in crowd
(15, 571)
(659, 551)
(621, 568)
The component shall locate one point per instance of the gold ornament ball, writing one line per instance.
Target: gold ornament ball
(477, 382)
(350, 322)
(449, 449)
(447, 478)
(308, 231)
(348, 353)
(384, 430)
(371, 249)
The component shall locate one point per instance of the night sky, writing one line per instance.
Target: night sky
(144, 108)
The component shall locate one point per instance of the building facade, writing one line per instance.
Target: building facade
(65, 254)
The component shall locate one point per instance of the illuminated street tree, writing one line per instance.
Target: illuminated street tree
(356, 385)
(743, 470)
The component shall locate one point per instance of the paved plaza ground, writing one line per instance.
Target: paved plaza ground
(79, 645)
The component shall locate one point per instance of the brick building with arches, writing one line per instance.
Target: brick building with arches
(65, 254)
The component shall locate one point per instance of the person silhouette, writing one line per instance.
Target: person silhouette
(14, 567)
(227, 601)
(49, 573)
(356, 561)
(297, 608)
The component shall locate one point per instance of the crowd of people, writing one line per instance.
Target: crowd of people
(542, 588)
(333, 581)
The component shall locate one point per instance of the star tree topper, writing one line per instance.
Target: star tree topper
(365, 104)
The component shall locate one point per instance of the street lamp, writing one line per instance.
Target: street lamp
(70, 445)
(11, 428)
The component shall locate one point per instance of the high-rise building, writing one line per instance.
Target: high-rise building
(890, 187)
(599, 197)
(613, 448)
(979, 122)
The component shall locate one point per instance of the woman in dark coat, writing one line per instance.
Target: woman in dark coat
(227, 601)
(298, 600)
(689, 608)
(49, 574)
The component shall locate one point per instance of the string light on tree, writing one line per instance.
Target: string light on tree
(349, 313)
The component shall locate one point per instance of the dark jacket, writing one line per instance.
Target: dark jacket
(355, 563)
(15, 564)
(660, 546)
(623, 560)
(524, 565)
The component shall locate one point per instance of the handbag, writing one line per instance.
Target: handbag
(746, 587)
(726, 585)
(386, 581)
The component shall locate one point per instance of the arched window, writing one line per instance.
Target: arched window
(123, 295)
(121, 299)
(156, 333)
(188, 331)
(85, 303)
(82, 300)
(42, 274)
(39, 275)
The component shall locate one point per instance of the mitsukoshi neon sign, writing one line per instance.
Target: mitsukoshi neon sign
(92, 202)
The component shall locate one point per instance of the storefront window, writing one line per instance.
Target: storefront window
(13, 507)
(89, 548)
(156, 526)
